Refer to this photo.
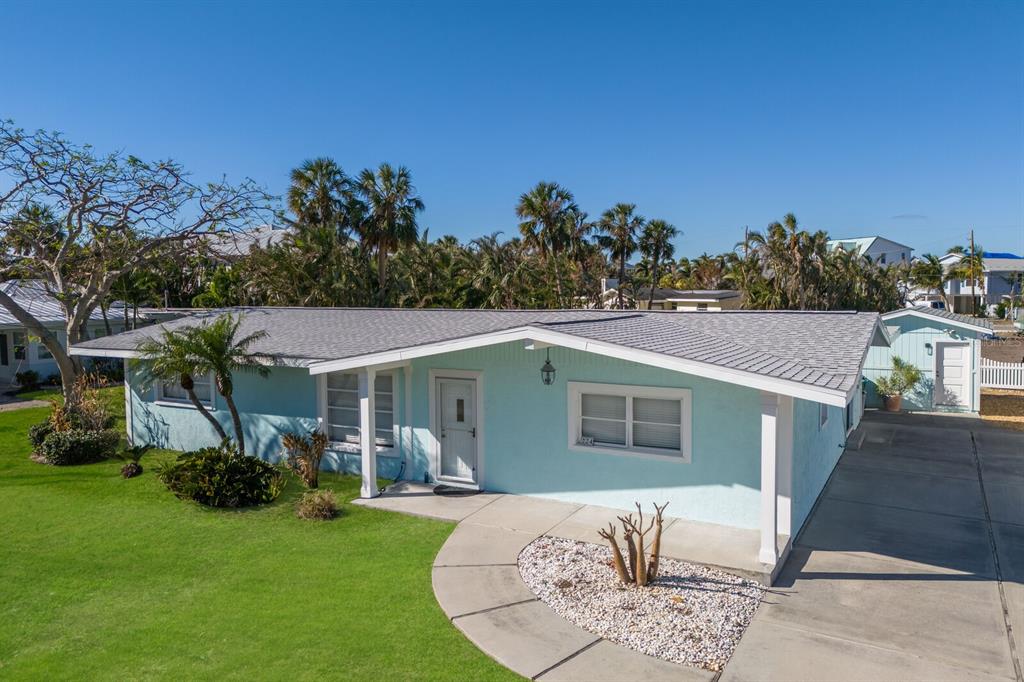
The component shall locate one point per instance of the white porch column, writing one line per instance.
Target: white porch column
(784, 457)
(407, 450)
(769, 552)
(368, 432)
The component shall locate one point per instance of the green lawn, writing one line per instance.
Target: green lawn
(107, 578)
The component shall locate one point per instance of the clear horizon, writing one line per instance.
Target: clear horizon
(901, 120)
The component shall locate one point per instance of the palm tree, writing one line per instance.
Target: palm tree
(169, 359)
(390, 218)
(320, 194)
(217, 349)
(549, 220)
(619, 227)
(656, 244)
(929, 273)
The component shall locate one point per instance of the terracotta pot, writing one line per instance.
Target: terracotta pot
(892, 403)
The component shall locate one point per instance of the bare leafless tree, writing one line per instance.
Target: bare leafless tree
(106, 216)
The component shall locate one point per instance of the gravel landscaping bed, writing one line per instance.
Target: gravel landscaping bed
(692, 614)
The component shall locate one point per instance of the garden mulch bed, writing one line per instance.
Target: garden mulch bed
(1003, 408)
(692, 614)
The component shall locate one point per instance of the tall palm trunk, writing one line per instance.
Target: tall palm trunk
(655, 258)
(382, 264)
(558, 283)
(622, 279)
(189, 385)
(236, 421)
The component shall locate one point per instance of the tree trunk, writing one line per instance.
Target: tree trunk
(622, 278)
(382, 264)
(194, 399)
(654, 277)
(558, 283)
(236, 421)
(106, 322)
(68, 366)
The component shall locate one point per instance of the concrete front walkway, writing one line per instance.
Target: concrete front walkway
(477, 583)
(910, 567)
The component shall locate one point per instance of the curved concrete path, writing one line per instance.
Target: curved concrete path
(477, 583)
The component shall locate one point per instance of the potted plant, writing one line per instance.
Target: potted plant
(903, 378)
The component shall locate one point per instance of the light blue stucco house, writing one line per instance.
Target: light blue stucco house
(735, 418)
(945, 346)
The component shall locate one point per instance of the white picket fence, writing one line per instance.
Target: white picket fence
(995, 374)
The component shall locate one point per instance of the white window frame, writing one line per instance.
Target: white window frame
(823, 416)
(162, 399)
(354, 447)
(575, 391)
(25, 344)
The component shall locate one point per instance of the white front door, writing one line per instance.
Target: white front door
(952, 378)
(457, 430)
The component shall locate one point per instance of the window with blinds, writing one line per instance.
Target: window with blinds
(648, 420)
(172, 392)
(343, 408)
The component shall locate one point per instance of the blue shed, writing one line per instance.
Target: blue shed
(946, 347)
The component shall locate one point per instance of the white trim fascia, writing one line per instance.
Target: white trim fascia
(434, 443)
(937, 318)
(103, 352)
(733, 376)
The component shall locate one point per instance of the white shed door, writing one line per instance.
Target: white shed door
(458, 429)
(952, 381)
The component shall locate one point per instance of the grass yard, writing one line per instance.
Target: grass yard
(105, 578)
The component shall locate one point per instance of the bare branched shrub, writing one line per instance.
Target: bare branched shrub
(83, 407)
(638, 568)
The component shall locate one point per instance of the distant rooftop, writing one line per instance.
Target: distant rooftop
(237, 244)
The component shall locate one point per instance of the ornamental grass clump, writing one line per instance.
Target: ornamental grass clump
(303, 455)
(317, 504)
(637, 568)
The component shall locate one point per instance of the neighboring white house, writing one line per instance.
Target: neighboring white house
(230, 246)
(681, 300)
(879, 249)
(1000, 279)
(19, 350)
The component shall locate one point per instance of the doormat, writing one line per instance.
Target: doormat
(452, 491)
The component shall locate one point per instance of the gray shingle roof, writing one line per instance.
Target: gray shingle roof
(947, 315)
(33, 297)
(820, 349)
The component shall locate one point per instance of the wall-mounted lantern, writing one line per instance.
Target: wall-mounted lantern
(547, 372)
(928, 347)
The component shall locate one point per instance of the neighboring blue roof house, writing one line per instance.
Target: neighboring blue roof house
(735, 418)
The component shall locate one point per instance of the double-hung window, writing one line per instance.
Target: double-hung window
(172, 392)
(630, 419)
(343, 408)
(20, 343)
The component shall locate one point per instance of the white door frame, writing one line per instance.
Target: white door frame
(434, 440)
(968, 369)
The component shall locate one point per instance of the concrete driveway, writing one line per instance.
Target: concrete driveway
(911, 566)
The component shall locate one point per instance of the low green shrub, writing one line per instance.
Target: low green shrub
(53, 380)
(76, 446)
(317, 504)
(219, 477)
(27, 380)
(38, 433)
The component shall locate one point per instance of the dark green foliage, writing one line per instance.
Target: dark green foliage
(38, 433)
(28, 380)
(53, 380)
(219, 477)
(75, 446)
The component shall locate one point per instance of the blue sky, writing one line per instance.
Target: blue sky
(897, 118)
